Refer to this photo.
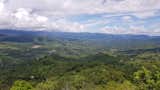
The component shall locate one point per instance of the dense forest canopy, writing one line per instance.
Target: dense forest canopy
(82, 61)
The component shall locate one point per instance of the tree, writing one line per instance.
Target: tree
(148, 79)
(48, 85)
(21, 85)
(126, 85)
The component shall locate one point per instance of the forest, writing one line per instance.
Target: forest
(79, 62)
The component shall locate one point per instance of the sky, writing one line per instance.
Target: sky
(95, 16)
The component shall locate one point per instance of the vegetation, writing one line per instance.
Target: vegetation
(98, 72)
(57, 63)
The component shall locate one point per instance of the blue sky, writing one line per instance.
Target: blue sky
(100, 16)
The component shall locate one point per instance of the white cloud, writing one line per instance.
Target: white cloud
(66, 26)
(53, 14)
(42, 19)
(130, 30)
(127, 18)
(145, 14)
(1, 6)
(84, 6)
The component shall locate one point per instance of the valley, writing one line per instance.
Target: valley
(81, 61)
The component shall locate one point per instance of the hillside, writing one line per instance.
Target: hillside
(95, 39)
(100, 71)
(80, 61)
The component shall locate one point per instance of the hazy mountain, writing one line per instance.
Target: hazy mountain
(99, 40)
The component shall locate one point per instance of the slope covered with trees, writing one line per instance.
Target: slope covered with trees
(81, 61)
(97, 72)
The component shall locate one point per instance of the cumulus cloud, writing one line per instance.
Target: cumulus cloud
(58, 14)
(132, 30)
(1, 6)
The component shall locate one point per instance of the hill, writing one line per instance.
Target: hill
(94, 39)
(78, 61)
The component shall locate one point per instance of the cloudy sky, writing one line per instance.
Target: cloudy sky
(100, 16)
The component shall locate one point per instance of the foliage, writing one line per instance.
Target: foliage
(21, 85)
(126, 85)
(78, 62)
(148, 79)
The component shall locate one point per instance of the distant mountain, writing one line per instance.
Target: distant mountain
(92, 39)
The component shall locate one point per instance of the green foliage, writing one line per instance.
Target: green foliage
(148, 79)
(21, 85)
(30, 69)
(48, 85)
(126, 85)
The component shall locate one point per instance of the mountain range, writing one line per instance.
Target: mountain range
(109, 41)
